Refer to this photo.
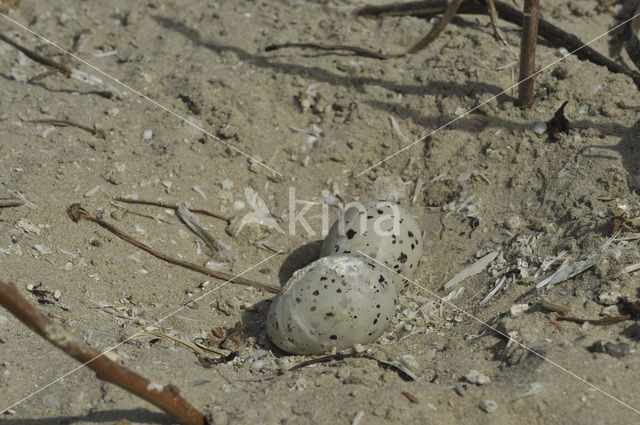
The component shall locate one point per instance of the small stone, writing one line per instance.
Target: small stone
(540, 128)
(583, 109)
(147, 135)
(618, 350)
(460, 389)
(489, 406)
(459, 111)
(477, 378)
(256, 366)
(409, 362)
(518, 309)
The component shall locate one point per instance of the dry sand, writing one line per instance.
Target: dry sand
(545, 197)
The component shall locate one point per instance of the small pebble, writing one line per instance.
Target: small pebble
(489, 406)
(518, 309)
(477, 378)
(147, 135)
(583, 109)
(540, 128)
(618, 350)
(460, 389)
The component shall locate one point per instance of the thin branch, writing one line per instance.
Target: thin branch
(324, 46)
(108, 90)
(528, 52)
(167, 398)
(77, 213)
(38, 58)
(10, 202)
(494, 23)
(171, 206)
(449, 13)
(65, 123)
(605, 321)
(553, 34)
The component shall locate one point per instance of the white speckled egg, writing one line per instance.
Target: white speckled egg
(336, 301)
(382, 230)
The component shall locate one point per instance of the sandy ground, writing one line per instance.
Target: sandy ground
(535, 201)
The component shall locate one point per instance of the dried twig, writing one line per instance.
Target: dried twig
(167, 398)
(528, 52)
(494, 23)
(324, 46)
(449, 13)
(604, 321)
(325, 359)
(171, 206)
(107, 90)
(65, 123)
(10, 202)
(74, 51)
(38, 58)
(553, 34)
(77, 213)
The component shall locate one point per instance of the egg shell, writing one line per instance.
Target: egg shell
(336, 301)
(382, 230)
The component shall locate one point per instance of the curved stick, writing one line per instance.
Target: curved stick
(77, 213)
(167, 398)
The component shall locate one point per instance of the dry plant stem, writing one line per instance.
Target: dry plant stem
(606, 321)
(632, 44)
(172, 206)
(107, 91)
(167, 398)
(77, 213)
(324, 46)
(526, 90)
(8, 203)
(66, 123)
(325, 359)
(420, 45)
(553, 34)
(451, 11)
(494, 23)
(74, 51)
(36, 57)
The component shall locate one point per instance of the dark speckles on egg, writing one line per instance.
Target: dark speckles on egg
(316, 292)
(402, 258)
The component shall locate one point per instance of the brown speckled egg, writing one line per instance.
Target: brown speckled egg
(336, 301)
(382, 230)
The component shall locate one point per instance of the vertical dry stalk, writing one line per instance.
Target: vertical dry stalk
(167, 398)
(528, 52)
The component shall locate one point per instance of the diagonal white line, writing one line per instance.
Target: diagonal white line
(140, 94)
(565, 370)
(494, 97)
(135, 335)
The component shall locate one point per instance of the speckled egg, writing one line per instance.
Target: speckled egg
(382, 230)
(336, 301)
